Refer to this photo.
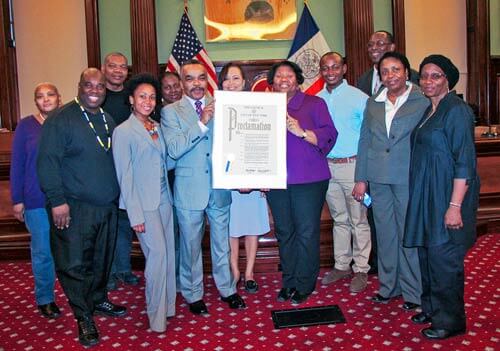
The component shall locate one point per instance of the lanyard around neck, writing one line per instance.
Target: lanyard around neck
(91, 125)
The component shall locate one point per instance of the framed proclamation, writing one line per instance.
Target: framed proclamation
(249, 149)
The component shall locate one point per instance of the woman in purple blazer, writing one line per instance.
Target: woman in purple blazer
(297, 209)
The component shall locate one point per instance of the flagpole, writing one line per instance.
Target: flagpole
(186, 6)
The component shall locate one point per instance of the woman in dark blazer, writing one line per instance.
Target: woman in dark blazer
(444, 190)
(140, 157)
(384, 162)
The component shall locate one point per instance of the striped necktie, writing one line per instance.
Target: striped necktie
(198, 108)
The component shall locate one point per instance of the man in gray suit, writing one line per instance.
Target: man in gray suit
(188, 129)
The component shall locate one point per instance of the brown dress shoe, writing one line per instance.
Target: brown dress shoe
(359, 282)
(335, 275)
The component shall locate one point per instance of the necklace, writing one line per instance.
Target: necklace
(151, 128)
(427, 118)
(425, 121)
(91, 125)
(41, 117)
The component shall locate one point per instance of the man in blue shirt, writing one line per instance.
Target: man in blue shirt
(346, 105)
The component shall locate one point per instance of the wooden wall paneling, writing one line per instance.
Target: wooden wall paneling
(92, 30)
(478, 56)
(494, 90)
(15, 240)
(9, 92)
(143, 36)
(398, 25)
(358, 26)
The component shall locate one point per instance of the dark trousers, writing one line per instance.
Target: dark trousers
(297, 214)
(373, 261)
(83, 254)
(442, 269)
(121, 256)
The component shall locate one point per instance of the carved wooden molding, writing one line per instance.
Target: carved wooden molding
(358, 26)
(398, 25)
(9, 92)
(478, 56)
(92, 30)
(143, 36)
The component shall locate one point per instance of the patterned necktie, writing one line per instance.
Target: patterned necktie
(198, 108)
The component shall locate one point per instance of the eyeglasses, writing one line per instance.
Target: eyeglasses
(432, 76)
(379, 44)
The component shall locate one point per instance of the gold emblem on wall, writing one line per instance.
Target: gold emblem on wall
(234, 20)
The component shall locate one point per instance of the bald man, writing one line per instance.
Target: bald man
(379, 43)
(76, 172)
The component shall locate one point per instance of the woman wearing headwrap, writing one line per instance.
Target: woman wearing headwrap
(444, 189)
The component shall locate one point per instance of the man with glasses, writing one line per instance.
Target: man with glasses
(380, 42)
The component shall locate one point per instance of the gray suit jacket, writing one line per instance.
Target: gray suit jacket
(383, 159)
(192, 151)
(364, 82)
(139, 163)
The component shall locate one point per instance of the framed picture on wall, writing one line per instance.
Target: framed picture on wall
(237, 20)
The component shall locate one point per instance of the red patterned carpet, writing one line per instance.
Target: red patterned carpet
(369, 326)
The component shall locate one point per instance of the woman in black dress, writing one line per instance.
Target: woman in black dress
(444, 189)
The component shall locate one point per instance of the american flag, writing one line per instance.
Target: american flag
(186, 47)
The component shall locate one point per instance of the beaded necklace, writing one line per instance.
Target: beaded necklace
(151, 128)
(91, 125)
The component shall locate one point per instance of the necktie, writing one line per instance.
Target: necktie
(377, 85)
(197, 105)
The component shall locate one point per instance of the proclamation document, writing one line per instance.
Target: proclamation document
(249, 148)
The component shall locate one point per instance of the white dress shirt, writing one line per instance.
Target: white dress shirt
(390, 108)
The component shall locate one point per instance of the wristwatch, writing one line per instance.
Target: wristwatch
(304, 135)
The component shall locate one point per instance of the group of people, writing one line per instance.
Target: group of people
(135, 156)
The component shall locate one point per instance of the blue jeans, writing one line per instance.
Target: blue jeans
(121, 259)
(42, 263)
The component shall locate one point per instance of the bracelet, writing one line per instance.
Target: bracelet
(454, 204)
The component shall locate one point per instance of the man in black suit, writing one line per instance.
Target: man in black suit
(380, 42)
